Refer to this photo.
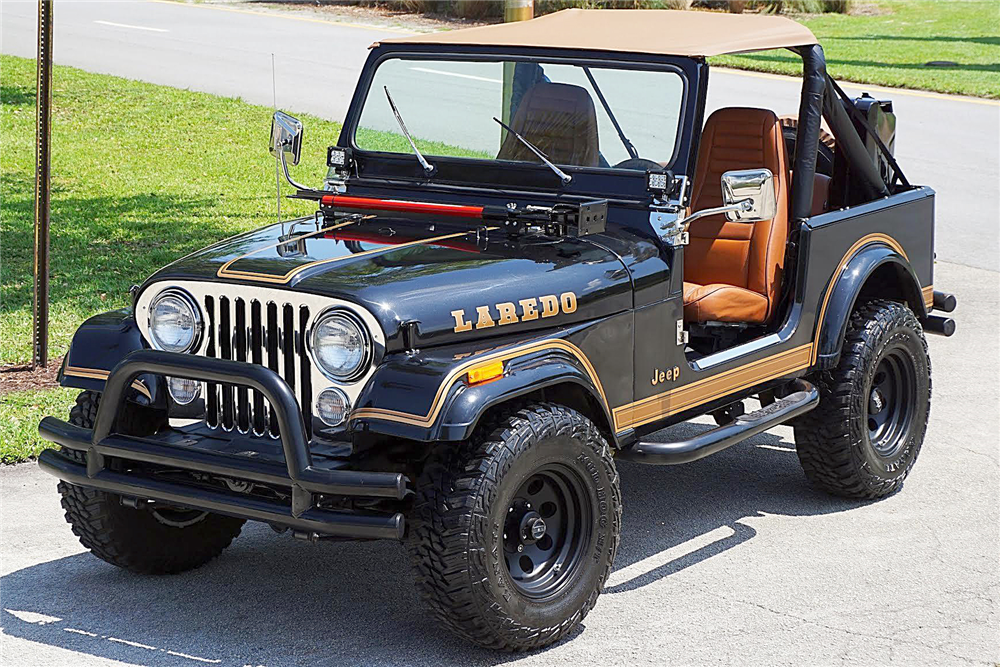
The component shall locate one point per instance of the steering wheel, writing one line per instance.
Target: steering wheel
(638, 164)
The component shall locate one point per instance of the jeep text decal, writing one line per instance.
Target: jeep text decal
(507, 312)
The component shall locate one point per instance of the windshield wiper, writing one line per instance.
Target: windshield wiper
(428, 167)
(563, 176)
(633, 153)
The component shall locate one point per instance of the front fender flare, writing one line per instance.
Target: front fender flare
(427, 397)
(97, 347)
(847, 288)
(522, 376)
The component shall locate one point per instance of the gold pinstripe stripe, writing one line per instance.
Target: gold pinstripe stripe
(928, 293)
(863, 241)
(503, 355)
(224, 271)
(100, 374)
(268, 278)
(691, 395)
(677, 400)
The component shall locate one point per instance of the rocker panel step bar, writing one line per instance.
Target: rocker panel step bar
(804, 397)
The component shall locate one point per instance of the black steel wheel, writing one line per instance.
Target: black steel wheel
(546, 529)
(514, 533)
(891, 400)
(863, 438)
(158, 540)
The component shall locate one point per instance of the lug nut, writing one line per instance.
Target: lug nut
(520, 547)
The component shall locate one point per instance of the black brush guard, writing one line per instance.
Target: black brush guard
(299, 475)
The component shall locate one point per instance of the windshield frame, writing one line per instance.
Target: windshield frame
(483, 171)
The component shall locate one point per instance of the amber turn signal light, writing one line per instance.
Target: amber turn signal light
(485, 372)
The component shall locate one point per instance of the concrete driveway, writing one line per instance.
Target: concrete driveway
(731, 560)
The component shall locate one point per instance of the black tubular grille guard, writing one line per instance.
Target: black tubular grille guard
(302, 477)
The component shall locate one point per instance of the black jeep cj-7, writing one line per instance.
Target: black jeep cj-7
(531, 251)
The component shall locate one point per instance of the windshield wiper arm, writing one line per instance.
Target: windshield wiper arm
(633, 153)
(563, 176)
(428, 167)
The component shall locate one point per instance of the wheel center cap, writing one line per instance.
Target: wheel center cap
(877, 402)
(532, 527)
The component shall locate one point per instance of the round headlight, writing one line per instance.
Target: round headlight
(340, 346)
(174, 322)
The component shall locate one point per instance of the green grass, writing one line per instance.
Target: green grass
(393, 142)
(141, 175)
(892, 48)
(20, 413)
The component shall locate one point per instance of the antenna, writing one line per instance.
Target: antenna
(277, 158)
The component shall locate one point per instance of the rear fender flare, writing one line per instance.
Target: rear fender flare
(876, 271)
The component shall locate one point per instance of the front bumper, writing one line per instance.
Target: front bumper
(134, 466)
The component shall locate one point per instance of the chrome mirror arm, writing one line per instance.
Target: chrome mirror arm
(744, 206)
(288, 177)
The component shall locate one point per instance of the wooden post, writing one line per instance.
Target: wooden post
(518, 10)
(43, 103)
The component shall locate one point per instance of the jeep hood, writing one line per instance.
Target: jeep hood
(450, 279)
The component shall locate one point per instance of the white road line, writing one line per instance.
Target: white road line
(461, 76)
(82, 632)
(193, 657)
(133, 644)
(131, 27)
(777, 448)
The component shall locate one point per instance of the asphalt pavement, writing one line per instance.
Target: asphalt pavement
(947, 142)
(733, 560)
(730, 560)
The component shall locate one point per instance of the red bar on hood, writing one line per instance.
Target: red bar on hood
(449, 210)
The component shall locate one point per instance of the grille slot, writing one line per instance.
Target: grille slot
(267, 334)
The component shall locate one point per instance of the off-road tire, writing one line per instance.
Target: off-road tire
(833, 441)
(455, 540)
(138, 539)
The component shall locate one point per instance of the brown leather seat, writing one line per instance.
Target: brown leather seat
(560, 120)
(732, 270)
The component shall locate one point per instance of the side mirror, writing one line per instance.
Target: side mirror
(750, 193)
(286, 137)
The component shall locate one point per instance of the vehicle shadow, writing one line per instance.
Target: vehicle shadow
(270, 600)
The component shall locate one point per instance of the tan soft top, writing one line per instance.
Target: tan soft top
(654, 31)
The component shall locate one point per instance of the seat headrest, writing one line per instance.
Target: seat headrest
(560, 120)
(737, 138)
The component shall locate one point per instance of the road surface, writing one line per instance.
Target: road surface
(949, 143)
(730, 560)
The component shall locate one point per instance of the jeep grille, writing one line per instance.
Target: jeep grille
(268, 334)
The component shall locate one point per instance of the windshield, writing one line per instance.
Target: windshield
(576, 115)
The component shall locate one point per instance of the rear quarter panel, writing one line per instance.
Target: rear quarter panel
(902, 222)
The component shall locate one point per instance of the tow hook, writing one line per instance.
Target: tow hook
(134, 503)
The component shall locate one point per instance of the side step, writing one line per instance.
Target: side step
(804, 397)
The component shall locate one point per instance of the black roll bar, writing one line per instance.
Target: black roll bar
(807, 134)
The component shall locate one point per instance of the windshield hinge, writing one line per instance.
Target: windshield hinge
(667, 222)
